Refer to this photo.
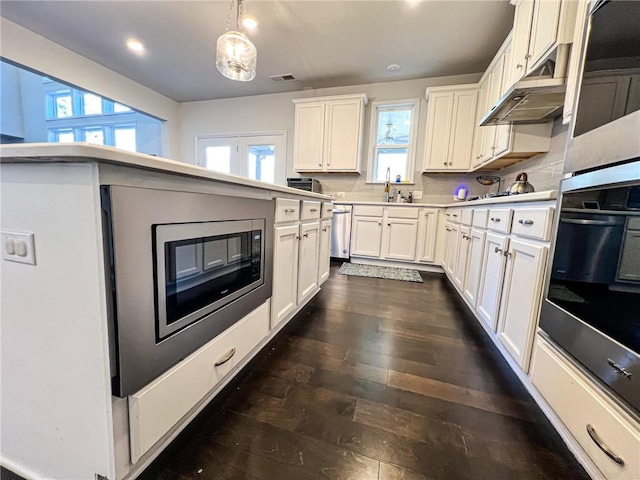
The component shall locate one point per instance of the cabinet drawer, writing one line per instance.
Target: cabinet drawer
(155, 409)
(533, 222)
(500, 219)
(400, 212)
(327, 209)
(453, 215)
(466, 217)
(367, 211)
(310, 210)
(287, 210)
(480, 217)
(579, 404)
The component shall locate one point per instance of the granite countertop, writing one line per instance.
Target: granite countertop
(85, 153)
(524, 197)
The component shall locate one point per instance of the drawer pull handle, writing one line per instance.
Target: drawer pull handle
(289, 210)
(495, 219)
(306, 235)
(455, 215)
(525, 222)
(324, 229)
(602, 446)
(498, 250)
(329, 209)
(313, 209)
(227, 356)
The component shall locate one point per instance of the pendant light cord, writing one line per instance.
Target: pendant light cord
(239, 15)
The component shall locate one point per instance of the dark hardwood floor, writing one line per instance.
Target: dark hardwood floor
(374, 379)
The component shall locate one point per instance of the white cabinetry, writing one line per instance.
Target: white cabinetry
(427, 234)
(587, 413)
(474, 268)
(366, 235)
(493, 263)
(400, 234)
(324, 258)
(451, 115)
(460, 269)
(285, 272)
(328, 133)
(521, 295)
(308, 260)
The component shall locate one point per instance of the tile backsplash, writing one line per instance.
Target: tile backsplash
(544, 171)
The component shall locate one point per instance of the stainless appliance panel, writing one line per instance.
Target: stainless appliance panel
(341, 231)
(605, 125)
(590, 309)
(130, 215)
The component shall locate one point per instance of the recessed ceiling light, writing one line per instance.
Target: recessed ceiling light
(249, 22)
(135, 45)
(394, 67)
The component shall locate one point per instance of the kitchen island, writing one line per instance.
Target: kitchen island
(60, 418)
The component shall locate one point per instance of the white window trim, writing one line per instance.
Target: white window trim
(413, 138)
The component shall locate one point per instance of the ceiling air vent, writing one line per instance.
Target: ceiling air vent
(287, 77)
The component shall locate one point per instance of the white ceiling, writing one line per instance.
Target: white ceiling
(322, 43)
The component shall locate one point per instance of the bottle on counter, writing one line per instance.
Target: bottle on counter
(399, 197)
(410, 197)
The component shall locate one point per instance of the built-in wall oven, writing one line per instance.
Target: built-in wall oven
(182, 268)
(592, 301)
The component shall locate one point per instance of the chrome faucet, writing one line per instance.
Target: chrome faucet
(387, 185)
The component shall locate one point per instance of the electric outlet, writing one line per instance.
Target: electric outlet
(339, 194)
(417, 194)
(18, 247)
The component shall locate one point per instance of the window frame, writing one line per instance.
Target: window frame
(414, 105)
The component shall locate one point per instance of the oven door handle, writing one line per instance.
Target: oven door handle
(580, 221)
(227, 356)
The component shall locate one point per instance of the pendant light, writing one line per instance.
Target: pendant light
(235, 54)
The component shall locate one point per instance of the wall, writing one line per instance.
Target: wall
(267, 113)
(26, 48)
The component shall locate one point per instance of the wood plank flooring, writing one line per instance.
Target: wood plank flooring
(374, 379)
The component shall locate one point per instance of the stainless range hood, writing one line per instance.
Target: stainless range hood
(534, 99)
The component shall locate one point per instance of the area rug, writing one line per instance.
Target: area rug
(390, 273)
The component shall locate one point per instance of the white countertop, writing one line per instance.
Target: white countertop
(84, 152)
(524, 197)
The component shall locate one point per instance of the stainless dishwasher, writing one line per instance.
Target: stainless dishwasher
(341, 231)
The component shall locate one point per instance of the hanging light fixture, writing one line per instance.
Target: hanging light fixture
(235, 54)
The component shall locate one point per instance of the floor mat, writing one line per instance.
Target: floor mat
(390, 273)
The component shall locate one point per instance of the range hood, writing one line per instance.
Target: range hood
(534, 99)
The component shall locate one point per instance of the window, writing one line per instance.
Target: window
(259, 157)
(59, 104)
(125, 138)
(393, 137)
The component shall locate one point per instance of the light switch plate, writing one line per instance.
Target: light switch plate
(417, 194)
(19, 247)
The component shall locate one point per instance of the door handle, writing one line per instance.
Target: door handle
(324, 229)
(525, 222)
(306, 235)
(313, 209)
(495, 219)
(603, 446)
(227, 356)
(498, 250)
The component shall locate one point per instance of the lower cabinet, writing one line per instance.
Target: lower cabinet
(452, 239)
(400, 239)
(366, 236)
(493, 265)
(461, 263)
(521, 295)
(474, 266)
(308, 260)
(427, 235)
(284, 298)
(324, 257)
(606, 434)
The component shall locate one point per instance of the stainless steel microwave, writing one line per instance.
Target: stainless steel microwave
(182, 268)
(605, 128)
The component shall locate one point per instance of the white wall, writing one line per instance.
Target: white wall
(26, 48)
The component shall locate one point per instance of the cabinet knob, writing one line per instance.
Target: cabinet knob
(320, 164)
(498, 250)
(313, 209)
(525, 222)
(445, 163)
(379, 223)
(289, 210)
(297, 237)
(388, 224)
(507, 254)
(455, 215)
(527, 56)
(519, 66)
(495, 219)
(306, 235)
(324, 229)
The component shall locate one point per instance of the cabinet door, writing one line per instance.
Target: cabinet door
(400, 239)
(285, 273)
(428, 226)
(308, 138)
(544, 30)
(479, 136)
(474, 268)
(503, 133)
(493, 264)
(452, 251)
(308, 260)
(521, 295)
(460, 270)
(447, 246)
(366, 236)
(344, 130)
(462, 128)
(439, 116)
(324, 257)
(521, 35)
(493, 87)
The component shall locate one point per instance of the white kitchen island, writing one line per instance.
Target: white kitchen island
(59, 418)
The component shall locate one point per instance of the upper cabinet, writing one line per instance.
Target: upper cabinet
(573, 71)
(328, 133)
(451, 116)
(539, 27)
